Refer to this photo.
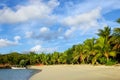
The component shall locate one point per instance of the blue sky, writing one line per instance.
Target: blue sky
(53, 25)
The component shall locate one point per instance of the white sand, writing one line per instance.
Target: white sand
(77, 72)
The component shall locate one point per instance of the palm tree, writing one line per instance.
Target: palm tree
(69, 53)
(63, 58)
(105, 33)
(115, 40)
(79, 54)
(89, 48)
(55, 58)
(76, 54)
(104, 49)
(49, 56)
(43, 58)
(103, 41)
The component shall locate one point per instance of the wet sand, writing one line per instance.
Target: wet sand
(77, 72)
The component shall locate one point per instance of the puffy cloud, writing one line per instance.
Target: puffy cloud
(82, 22)
(82, 18)
(39, 48)
(45, 34)
(34, 10)
(85, 19)
(5, 42)
(17, 38)
(36, 48)
(44, 30)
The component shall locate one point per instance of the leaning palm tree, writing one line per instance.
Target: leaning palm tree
(103, 42)
(79, 54)
(55, 58)
(76, 54)
(105, 33)
(62, 58)
(115, 40)
(89, 48)
(103, 48)
(116, 34)
(43, 58)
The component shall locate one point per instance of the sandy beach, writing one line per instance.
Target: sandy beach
(77, 72)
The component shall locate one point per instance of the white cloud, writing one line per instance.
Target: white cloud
(36, 48)
(87, 5)
(39, 48)
(17, 38)
(5, 42)
(82, 22)
(34, 10)
(45, 34)
(81, 18)
(87, 20)
(44, 30)
(84, 19)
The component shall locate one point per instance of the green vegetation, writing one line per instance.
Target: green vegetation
(103, 50)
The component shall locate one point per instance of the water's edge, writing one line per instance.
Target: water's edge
(34, 72)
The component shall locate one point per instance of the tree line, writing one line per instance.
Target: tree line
(102, 50)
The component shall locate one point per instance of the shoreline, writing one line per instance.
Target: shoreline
(76, 72)
(34, 72)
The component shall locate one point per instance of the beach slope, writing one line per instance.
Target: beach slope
(77, 72)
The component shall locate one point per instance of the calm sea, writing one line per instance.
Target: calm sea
(16, 74)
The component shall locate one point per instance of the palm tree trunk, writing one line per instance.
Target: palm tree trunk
(107, 56)
(81, 59)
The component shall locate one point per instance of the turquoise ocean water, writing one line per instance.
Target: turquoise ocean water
(16, 74)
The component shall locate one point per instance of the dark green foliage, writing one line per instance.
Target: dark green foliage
(22, 63)
(69, 57)
(118, 20)
(111, 62)
(102, 60)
